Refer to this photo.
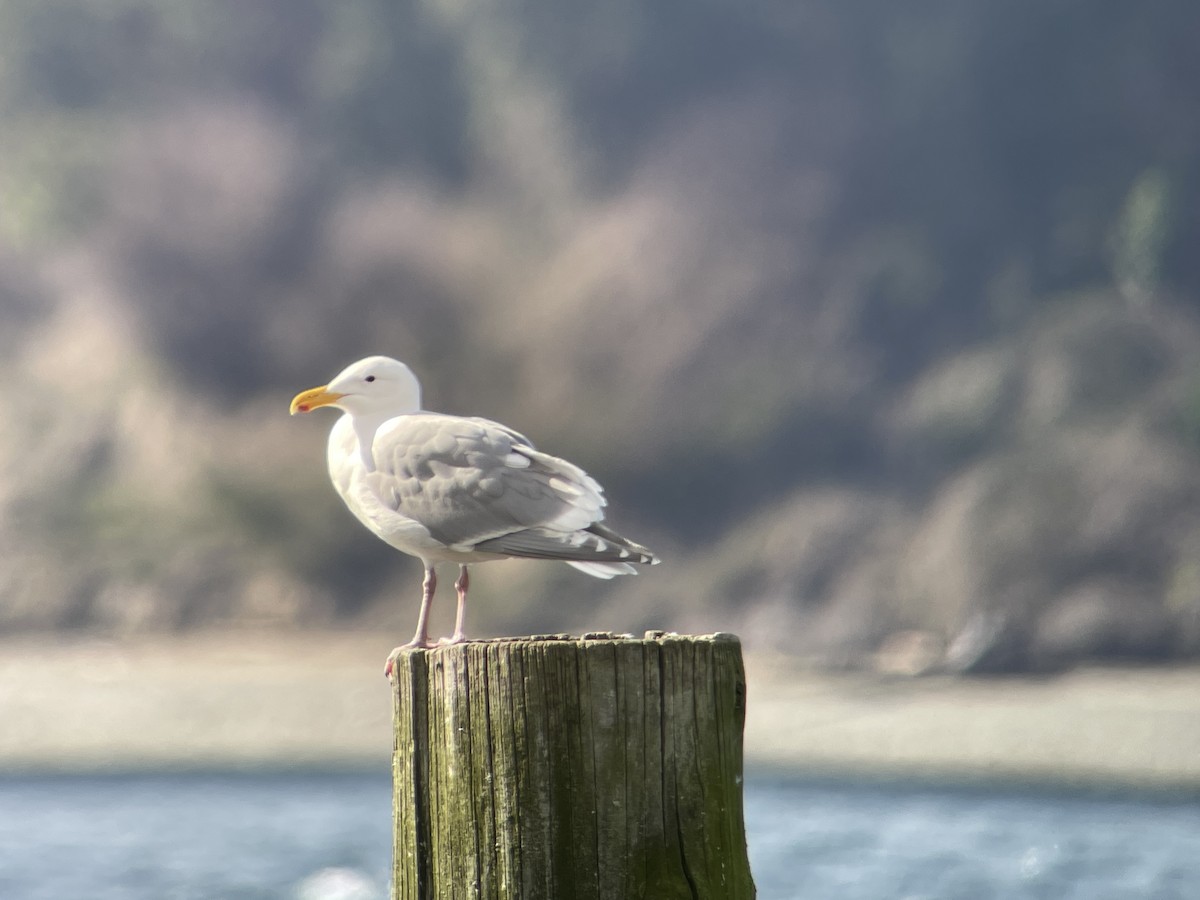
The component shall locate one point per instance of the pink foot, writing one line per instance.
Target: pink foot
(390, 665)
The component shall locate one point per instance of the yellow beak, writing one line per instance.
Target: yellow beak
(307, 401)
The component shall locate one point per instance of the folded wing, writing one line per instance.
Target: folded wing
(477, 485)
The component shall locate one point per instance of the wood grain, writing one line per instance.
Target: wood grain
(555, 768)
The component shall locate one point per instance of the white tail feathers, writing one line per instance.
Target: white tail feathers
(603, 569)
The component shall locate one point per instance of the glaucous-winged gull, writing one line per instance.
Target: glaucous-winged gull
(449, 488)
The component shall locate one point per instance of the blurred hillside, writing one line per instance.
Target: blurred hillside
(878, 321)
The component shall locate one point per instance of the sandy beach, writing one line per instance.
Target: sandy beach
(258, 699)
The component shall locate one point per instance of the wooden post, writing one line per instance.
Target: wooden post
(557, 768)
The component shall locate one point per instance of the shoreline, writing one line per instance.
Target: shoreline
(307, 701)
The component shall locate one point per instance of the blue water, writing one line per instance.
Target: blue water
(201, 837)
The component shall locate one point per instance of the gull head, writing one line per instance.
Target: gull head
(375, 387)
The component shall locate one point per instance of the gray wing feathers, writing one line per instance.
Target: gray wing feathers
(594, 544)
(469, 481)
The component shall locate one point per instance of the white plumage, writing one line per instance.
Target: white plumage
(457, 489)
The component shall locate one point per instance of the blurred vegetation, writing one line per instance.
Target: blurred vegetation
(876, 319)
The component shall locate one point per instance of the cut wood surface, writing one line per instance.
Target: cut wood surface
(550, 768)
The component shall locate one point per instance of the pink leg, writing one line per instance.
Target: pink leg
(460, 620)
(421, 637)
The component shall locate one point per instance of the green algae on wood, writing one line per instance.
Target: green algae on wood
(556, 768)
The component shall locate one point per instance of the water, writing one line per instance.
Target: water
(870, 843)
(327, 837)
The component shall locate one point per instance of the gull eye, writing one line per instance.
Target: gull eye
(369, 378)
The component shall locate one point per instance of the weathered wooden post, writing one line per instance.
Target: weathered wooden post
(556, 768)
